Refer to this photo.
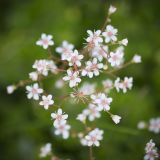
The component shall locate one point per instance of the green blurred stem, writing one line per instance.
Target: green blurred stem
(91, 153)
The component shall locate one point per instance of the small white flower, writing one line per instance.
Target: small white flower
(66, 49)
(82, 116)
(33, 76)
(112, 9)
(59, 84)
(87, 88)
(92, 68)
(100, 52)
(75, 59)
(94, 38)
(102, 101)
(149, 146)
(137, 58)
(151, 151)
(59, 117)
(154, 125)
(93, 112)
(45, 150)
(62, 129)
(115, 58)
(45, 41)
(116, 118)
(51, 66)
(124, 42)
(141, 125)
(34, 91)
(94, 137)
(126, 84)
(110, 34)
(72, 77)
(46, 101)
(107, 84)
(41, 66)
(11, 89)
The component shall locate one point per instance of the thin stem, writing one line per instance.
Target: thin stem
(91, 153)
(105, 23)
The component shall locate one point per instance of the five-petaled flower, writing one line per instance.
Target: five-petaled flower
(66, 49)
(34, 91)
(72, 77)
(92, 68)
(45, 41)
(110, 34)
(46, 101)
(94, 38)
(102, 101)
(94, 137)
(75, 59)
(59, 117)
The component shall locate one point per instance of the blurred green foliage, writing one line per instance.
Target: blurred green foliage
(25, 126)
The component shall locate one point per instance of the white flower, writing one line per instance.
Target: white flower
(75, 59)
(124, 42)
(141, 125)
(152, 155)
(59, 117)
(94, 38)
(112, 9)
(137, 58)
(107, 84)
(82, 116)
(45, 150)
(51, 66)
(149, 146)
(87, 88)
(41, 66)
(117, 84)
(151, 151)
(34, 91)
(92, 68)
(59, 84)
(45, 41)
(100, 52)
(93, 112)
(33, 76)
(110, 34)
(154, 125)
(66, 49)
(62, 129)
(72, 77)
(11, 89)
(116, 118)
(46, 101)
(115, 58)
(126, 84)
(94, 137)
(102, 101)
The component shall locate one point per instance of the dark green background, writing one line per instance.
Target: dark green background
(25, 126)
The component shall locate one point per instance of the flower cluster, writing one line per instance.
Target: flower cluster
(151, 151)
(92, 138)
(45, 150)
(153, 125)
(60, 123)
(103, 54)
